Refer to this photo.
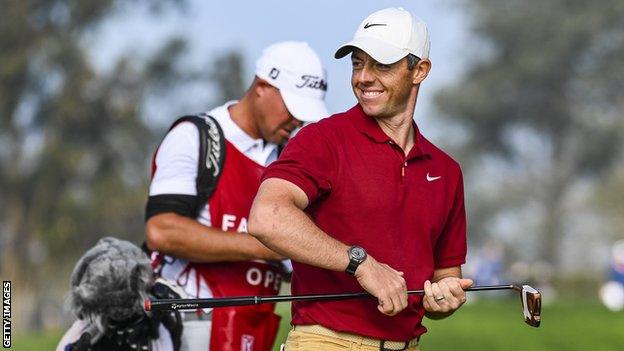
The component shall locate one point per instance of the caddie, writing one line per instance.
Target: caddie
(206, 173)
(362, 200)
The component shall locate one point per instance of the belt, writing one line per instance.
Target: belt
(383, 344)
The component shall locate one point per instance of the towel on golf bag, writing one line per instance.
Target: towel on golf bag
(108, 287)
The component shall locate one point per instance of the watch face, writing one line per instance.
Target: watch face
(358, 253)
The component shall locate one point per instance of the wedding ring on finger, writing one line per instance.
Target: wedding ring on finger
(438, 298)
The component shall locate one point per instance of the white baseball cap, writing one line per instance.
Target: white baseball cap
(388, 35)
(296, 70)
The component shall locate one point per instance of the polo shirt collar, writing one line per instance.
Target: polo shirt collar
(368, 126)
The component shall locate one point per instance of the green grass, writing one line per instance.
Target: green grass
(491, 324)
(36, 341)
(283, 309)
(499, 325)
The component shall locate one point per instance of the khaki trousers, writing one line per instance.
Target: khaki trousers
(318, 338)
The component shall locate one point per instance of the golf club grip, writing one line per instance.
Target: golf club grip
(192, 304)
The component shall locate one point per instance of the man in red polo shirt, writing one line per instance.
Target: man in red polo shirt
(361, 200)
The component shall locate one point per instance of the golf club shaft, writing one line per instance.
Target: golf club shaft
(191, 304)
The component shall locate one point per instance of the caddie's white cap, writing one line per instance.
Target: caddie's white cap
(296, 70)
(388, 35)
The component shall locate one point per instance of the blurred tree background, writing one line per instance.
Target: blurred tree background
(74, 144)
(536, 121)
(542, 147)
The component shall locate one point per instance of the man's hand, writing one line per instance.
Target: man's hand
(385, 283)
(445, 296)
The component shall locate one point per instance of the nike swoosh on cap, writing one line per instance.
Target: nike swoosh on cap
(368, 25)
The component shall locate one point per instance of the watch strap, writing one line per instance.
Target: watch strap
(352, 267)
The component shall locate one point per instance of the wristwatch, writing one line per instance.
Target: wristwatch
(357, 255)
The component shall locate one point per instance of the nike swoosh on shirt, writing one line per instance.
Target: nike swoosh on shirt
(431, 179)
(368, 25)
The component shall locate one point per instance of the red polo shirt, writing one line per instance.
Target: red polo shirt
(407, 212)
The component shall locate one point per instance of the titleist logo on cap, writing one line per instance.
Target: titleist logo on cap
(314, 82)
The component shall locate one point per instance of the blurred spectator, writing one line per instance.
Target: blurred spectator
(489, 266)
(612, 292)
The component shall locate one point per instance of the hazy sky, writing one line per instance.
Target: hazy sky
(214, 26)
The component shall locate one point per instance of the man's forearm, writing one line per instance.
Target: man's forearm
(188, 239)
(280, 224)
(277, 219)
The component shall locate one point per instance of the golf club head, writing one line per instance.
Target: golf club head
(531, 304)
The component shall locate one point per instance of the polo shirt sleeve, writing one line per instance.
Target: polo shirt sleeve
(450, 249)
(307, 162)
